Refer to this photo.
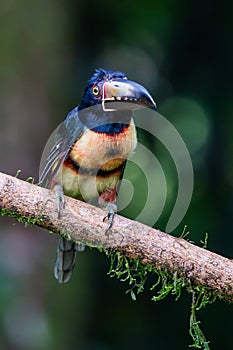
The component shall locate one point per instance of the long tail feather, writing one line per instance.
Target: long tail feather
(66, 256)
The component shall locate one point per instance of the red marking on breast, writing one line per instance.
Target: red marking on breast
(108, 196)
(94, 150)
(69, 164)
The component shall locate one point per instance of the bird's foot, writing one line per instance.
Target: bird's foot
(110, 213)
(60, 199)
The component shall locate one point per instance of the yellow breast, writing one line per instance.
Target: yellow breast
(100, 151)
(96, 162)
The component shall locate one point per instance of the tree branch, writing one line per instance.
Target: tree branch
(82, 222)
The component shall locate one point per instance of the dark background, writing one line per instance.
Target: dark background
(183, 53)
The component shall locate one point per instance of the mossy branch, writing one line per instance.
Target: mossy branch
(82, 222)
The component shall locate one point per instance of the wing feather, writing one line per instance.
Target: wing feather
(58, 146)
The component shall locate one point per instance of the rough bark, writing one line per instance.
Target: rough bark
(82, 222)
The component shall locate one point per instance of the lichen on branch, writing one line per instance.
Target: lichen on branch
(82, 222)
(135, 250)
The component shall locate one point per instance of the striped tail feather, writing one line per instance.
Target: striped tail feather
(65, 260)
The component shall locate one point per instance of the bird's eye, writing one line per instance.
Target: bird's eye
(95, 90)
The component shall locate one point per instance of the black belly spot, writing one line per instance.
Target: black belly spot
(92, 172)
(113, 153)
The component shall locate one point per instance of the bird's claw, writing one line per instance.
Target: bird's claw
(110, 212)
(60, 199)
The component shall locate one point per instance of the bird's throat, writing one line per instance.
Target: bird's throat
(111, 123)
(111, 128)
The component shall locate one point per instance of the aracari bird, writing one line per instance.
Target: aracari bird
(85, 158)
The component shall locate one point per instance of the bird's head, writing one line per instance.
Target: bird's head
(113, 91)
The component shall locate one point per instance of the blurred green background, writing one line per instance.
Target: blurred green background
(182, 52)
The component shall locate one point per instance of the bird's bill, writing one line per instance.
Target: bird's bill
(125, 94)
